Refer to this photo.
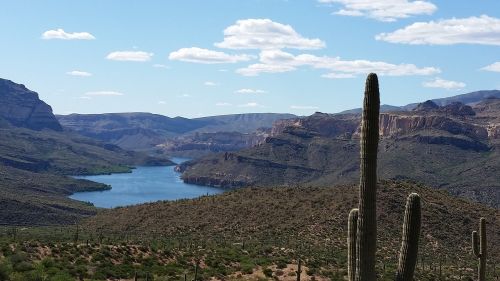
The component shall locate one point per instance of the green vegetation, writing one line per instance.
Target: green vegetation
(254, 233)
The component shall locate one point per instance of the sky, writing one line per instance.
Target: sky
(200, 58)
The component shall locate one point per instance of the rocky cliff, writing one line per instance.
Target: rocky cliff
(22, 108)
(445, 147)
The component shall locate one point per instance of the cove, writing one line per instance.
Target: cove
(144, 184)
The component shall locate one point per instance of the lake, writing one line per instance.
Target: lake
(144, 184)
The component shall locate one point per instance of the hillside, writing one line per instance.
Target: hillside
(313, 218)
(144, 131)
(448, 149)
(36, 156)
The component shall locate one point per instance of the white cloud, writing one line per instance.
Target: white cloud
(162, 102)
(130, 56)
(383, 10)
(157, 65)
(483, 30)
(104, 93)
(223, 104)
(444, 84)
(79, 73)
(256, 69)
(185, 96)
(223, 70)
(265, 34)
(210, 84)
(250, 91)
(250, 104)
(61, 34)
(278, 61)
(84, 98)
(199, 55)
(303, 107)
(334, 75)
(495, 67)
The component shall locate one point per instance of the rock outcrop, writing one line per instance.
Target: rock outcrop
(21, 107)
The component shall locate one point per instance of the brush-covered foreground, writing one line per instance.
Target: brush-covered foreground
(250, 234)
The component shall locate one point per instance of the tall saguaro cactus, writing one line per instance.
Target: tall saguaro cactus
(362, 223)
(479, 248)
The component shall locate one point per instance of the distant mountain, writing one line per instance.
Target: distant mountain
(383, 108)
(144, 131)
(36, 155)
(469, 98)
(444, 148)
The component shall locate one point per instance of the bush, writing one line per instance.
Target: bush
(268, 272)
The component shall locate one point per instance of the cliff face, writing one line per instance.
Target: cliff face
(22, 108)
(392, 125)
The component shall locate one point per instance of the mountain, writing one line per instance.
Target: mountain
(468, 99)
(36, 155)
(144, 131)
(23, 108)
(199, 144)
(445, 147)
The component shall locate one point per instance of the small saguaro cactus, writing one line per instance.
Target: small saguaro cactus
(362, 223)
(299, 269)
(479, 248)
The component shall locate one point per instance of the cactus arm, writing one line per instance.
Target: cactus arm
(352, 225)
(367, 224)
(475, 244)
(411, 232)
(483, 248)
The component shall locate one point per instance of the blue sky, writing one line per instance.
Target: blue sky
(200, 58)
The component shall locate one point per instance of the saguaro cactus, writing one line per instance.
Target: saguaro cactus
(362, 224)
(299, 269)
(409, 244)
(479, 249)
(352, 225)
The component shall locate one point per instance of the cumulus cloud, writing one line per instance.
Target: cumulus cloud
(199, 55)
(303, 107)
(383, 10)
(250, 91)
(334, 75)
(483, 30)
(79, 73)
(210, 84)
(279, 61)
(265, 34)
(104, 93)
(129, 56)
(495, 67)
(444, 84)
(61, 34)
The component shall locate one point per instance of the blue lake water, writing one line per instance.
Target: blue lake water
(144, 184)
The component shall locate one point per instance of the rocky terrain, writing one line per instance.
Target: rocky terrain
(36, 156)
(199, 144)
(23, 108)
(445, 147)
(153, 132)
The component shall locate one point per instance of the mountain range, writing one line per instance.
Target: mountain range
(446, 147)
